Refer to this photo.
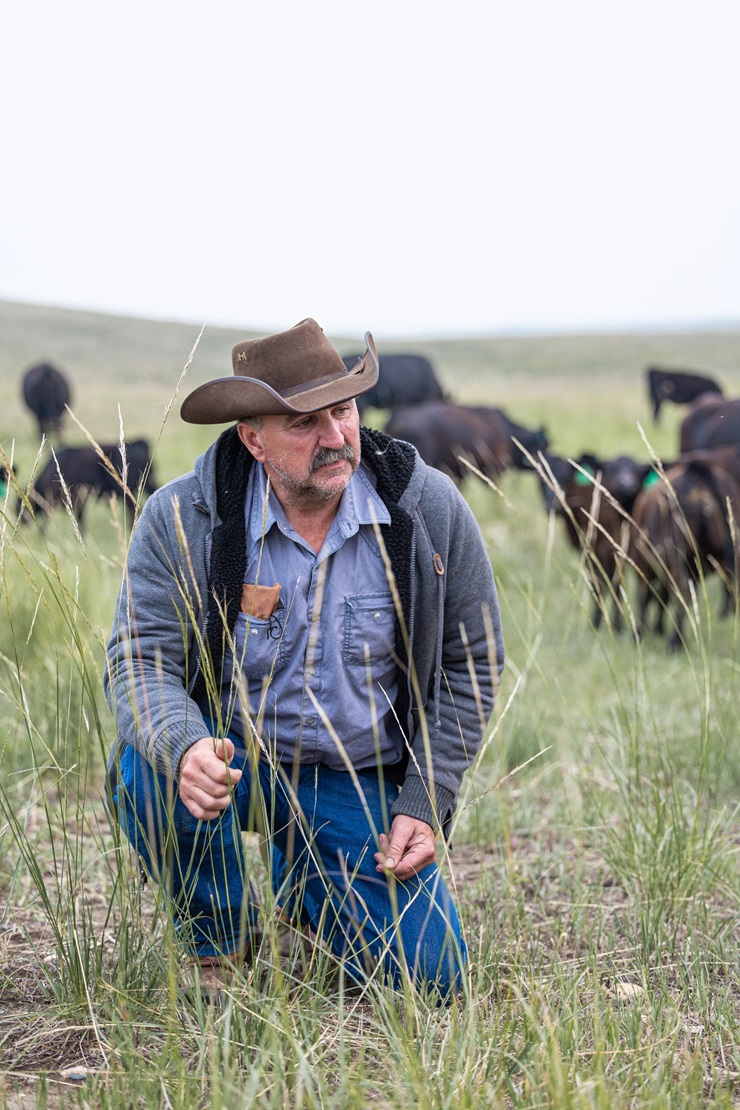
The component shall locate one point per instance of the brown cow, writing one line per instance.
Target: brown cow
(442, 433)
(711, 422)
(685, 528)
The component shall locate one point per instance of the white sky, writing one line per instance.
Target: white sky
(406, 166)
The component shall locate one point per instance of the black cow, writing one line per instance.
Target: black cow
(403, 380)
(528, 442)
(594, 498)
(86, 474)
(712, 422)
(441, 432)
(46, 392)
(680, 386)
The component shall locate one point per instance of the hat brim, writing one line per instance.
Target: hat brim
(225, 400)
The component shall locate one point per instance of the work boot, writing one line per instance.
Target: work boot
(294, 942)
(217, 974)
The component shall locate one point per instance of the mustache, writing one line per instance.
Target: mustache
(326, 455)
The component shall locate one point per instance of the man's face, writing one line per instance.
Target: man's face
(308, 459)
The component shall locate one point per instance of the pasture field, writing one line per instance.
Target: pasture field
(595, 851)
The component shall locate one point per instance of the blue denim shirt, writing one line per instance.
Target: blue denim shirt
(332, 636)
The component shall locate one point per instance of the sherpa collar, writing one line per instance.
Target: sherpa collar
(393, 465)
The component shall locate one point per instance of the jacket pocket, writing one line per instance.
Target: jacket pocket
(260, 644)
(369, 629)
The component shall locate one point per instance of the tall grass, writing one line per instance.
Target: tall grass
(594, 861)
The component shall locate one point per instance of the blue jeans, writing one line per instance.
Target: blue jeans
(323, 833)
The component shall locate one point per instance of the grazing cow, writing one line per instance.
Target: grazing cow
(442, 432)
(594, 498)
(46, 392)
(685, 527)
(86, 474)
(712, 422)
(679, 386)
(403, 380)
(523, 442)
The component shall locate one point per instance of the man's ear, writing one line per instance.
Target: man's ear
(252, 440)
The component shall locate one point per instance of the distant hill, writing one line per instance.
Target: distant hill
(132, 364)
(135, 349)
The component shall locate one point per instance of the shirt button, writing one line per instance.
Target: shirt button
(377, 616)
(312, 670)
(310, 720)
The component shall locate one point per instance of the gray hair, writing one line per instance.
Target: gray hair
(254, 422)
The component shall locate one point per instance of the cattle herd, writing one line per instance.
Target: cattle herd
(74, 474)
(668, 523)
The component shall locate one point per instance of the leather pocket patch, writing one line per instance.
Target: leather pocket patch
(260, 601)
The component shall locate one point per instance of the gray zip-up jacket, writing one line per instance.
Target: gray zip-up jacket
(182, 587)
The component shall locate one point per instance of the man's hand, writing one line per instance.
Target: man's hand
(408, 849)
(206, 780)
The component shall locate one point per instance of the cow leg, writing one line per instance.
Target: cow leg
(727, 601)
(661, 600)
(80, 501)
(597, 612)
(644, 597)
(675, 640)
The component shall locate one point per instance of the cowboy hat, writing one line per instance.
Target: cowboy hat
(294, 371)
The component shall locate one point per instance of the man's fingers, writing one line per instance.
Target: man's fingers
(415, 860)
(225, 749)
(409, 848)
(390, 852)
(206, 779)
(395, 850)
(203, 805)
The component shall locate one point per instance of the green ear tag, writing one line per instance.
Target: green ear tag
(3, 488)
(583, 479)
(651, 479)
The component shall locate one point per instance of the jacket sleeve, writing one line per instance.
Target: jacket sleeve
(458, 662)
(154, 644)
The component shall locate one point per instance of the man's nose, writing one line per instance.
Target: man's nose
(331, 433)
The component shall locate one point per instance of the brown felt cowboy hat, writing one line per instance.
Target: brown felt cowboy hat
(294, 371)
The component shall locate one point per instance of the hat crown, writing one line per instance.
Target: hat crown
(291, 359)
(294, 371)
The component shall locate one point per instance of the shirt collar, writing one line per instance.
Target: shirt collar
(360, 505)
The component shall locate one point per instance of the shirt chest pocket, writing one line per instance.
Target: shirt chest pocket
(369, 629)
(260, 644)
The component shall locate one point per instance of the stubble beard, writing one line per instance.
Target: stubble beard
(308, 491)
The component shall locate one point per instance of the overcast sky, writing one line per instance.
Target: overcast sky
(415, 168)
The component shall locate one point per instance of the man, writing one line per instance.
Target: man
(307, 641)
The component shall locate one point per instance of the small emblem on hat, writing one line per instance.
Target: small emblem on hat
(242, 356)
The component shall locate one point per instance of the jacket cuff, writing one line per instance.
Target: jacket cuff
(168, 751)
(415, 800)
